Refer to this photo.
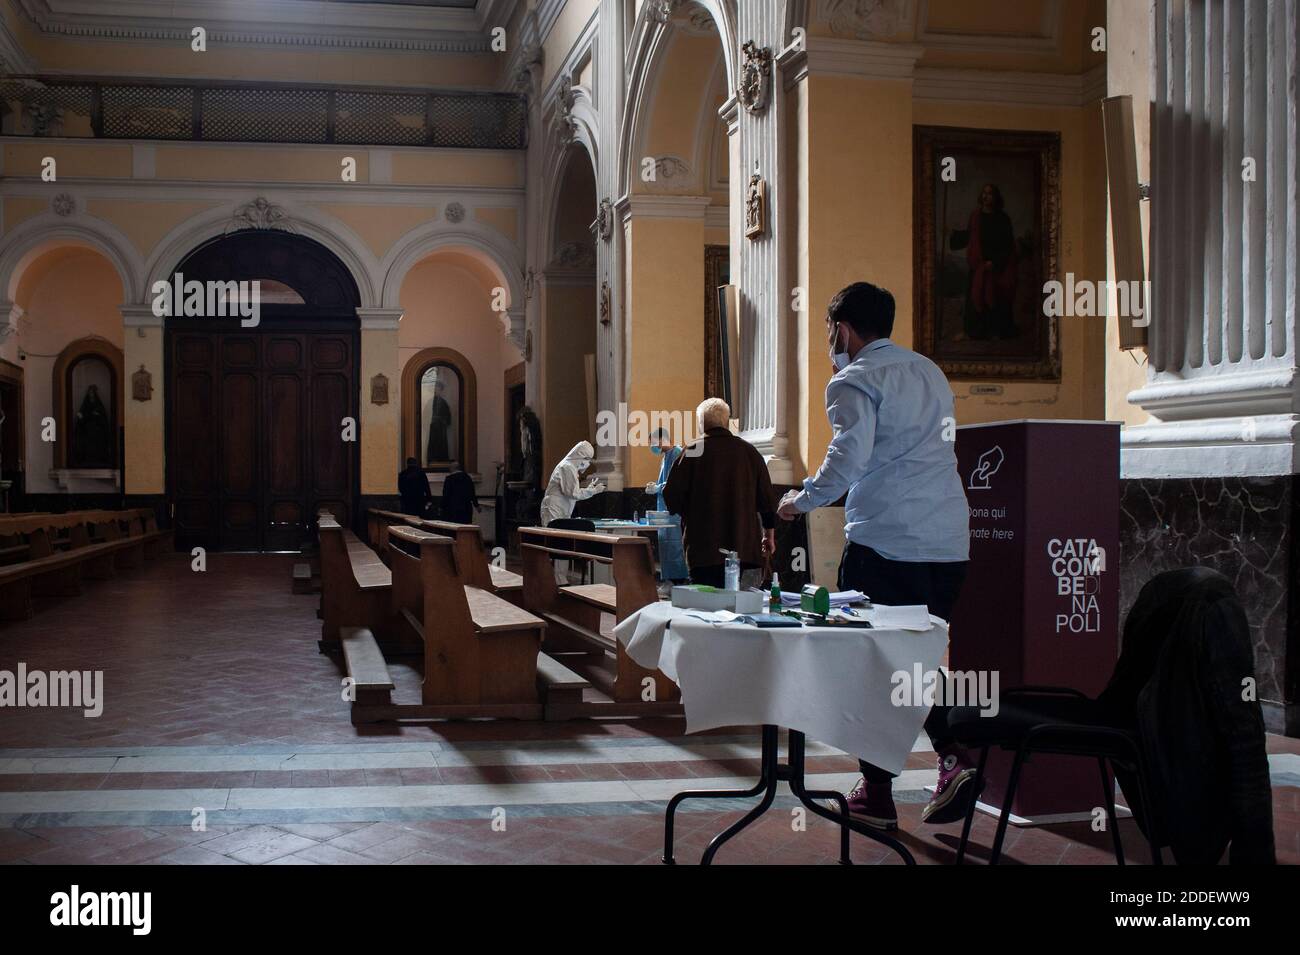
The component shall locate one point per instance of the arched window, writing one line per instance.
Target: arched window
(88, 393)
(440, 410)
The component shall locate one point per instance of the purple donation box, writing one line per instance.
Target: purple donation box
(1041, 597)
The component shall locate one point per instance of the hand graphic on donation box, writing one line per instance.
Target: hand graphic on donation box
(988, 464)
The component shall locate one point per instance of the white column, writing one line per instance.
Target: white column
(1222, 381)
(607, 54)
(765, 314)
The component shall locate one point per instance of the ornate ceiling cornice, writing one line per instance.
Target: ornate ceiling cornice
(399, 29)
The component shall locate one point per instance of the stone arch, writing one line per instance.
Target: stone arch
(302, 220)
(44, 233)
(650, 45)
(491, 249)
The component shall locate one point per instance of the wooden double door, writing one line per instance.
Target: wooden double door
(257, 437)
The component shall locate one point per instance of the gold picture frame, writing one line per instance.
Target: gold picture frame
(987, 208)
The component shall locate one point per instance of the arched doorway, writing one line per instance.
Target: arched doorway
(261, 418)
(573, 304)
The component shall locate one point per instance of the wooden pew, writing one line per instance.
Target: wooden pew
(61, 554)
(355, 584)
(573, 613)
(470, 552)
(480, 652)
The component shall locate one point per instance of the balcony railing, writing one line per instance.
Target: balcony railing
(259, 113)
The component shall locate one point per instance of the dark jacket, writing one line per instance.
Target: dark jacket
(722, 491)
(1180, 680)
(458, 498)
(413, 486)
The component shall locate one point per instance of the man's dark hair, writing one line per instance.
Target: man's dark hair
(867, 309)
(412, 463)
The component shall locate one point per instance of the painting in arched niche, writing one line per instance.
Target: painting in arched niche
(441, 416)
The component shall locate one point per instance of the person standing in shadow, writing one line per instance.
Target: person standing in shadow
(459, 499)
(413, 486)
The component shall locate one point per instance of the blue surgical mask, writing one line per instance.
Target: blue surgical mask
(840, 359)
(655, 449)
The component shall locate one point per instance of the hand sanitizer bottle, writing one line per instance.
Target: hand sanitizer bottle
(731, 571)
(774, 602)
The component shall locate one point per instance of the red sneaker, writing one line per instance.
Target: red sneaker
(871, 803)
(954, 792)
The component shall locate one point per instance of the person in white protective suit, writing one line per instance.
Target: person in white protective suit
(565, 489)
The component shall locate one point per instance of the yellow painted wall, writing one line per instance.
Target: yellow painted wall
(448, 305)
(1081, 390)
(459, 167)
(570, 336)
(146, 466)
(19, 210)
(66, 294)
(145, 221)
(858, 212)
(504, 220)
(854, 222)
(380, 424)
(73, 159)
(322, 164)
(379, 227)
(665, 340)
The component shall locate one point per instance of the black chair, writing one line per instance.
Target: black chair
(1057, 721)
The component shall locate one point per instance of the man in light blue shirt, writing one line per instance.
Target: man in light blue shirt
(906, 517)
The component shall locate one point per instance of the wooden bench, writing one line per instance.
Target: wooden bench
(355, 584)
(63, 550)
(573, 613)
(470, 552)
(480, 651)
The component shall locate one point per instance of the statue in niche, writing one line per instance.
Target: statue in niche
(530, 445)
(755, 207)
(440, 419)
(92, 436)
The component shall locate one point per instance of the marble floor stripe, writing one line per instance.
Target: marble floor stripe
(566, 748)
(353, 797)
(160, 760)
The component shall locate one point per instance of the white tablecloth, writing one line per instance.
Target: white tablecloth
(832, 684)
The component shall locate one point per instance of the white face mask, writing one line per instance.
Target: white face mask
(840, 359)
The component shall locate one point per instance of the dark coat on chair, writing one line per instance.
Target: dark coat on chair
(1182, 679)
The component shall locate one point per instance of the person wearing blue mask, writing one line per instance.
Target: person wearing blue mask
(907, 523)
(672, 557)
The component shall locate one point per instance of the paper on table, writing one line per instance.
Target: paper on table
(790, 598)
(713, 616)
(904, 617)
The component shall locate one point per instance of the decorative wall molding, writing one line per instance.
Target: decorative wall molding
(261, 213)
(868, 19)
(664, 207)
(670, 169)
(870, 59)
(1012, 89)
(573, 256)
(754, 87)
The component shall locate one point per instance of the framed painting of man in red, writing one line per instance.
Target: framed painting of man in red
(987, 232)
